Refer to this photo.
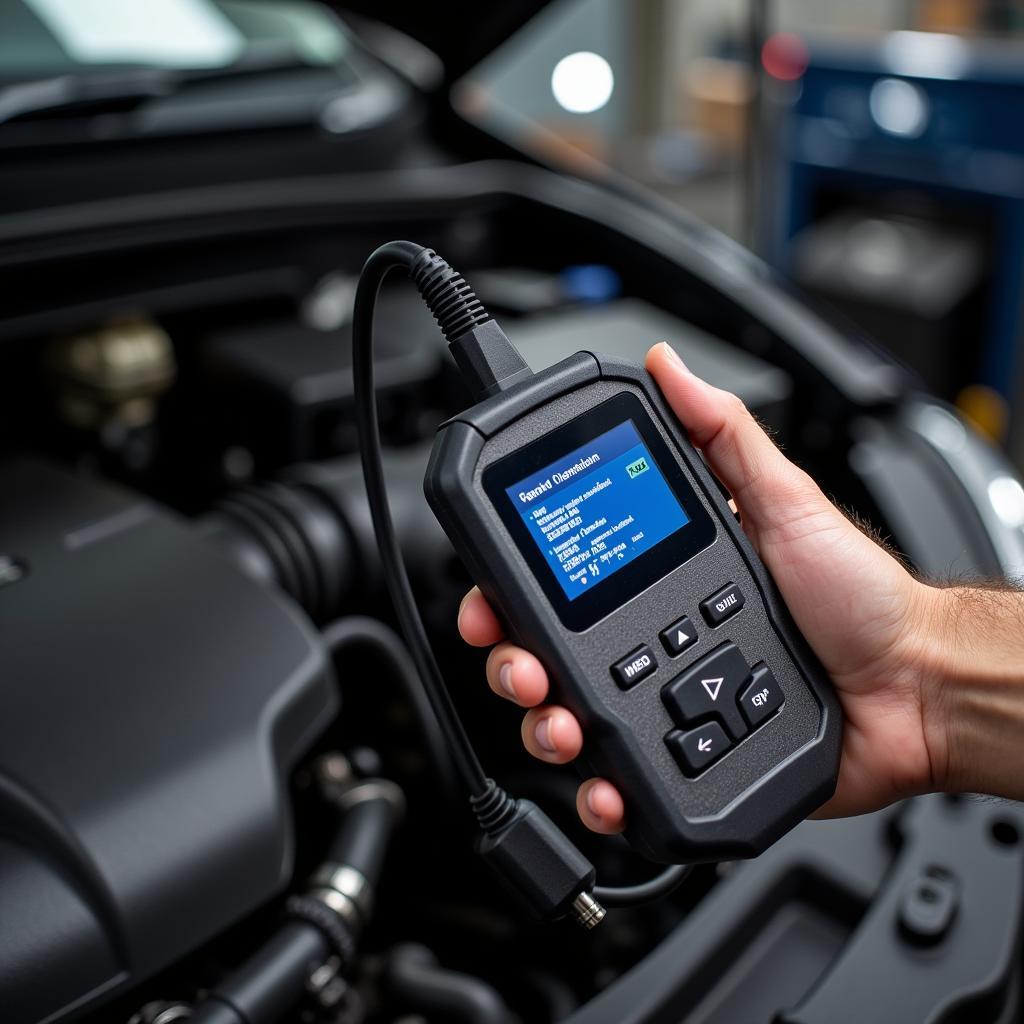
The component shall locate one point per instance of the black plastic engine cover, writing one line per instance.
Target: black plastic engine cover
(152, 699)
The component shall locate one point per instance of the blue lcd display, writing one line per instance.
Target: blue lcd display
(598, 508)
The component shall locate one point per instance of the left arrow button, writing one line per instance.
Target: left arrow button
(697, 749)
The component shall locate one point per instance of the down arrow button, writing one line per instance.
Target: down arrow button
(708, 689)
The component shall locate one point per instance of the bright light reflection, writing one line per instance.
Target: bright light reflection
(1007, 497)
(582, 82)
(926, 54)
(898, 107)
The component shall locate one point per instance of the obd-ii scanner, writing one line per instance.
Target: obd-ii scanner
(597, 533)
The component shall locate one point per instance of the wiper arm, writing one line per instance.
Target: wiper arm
(105, 91)
(67, 92)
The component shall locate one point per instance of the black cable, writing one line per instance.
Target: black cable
(518, 839)
(645, 892)
(520, 842)
(361, 629)
(388, 257)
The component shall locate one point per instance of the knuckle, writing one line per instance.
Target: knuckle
(735, 407)
(798, 489)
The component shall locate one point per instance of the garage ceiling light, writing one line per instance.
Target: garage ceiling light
(582, 82)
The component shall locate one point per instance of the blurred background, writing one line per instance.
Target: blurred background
(872, 153)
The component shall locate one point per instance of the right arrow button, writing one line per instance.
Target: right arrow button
(762, 698)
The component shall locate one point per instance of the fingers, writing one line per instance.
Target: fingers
(478, 624)
(517, 675)
(600, 807)
(745, 459)
(552, 734)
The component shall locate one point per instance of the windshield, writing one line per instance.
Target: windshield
(44, 38)
(75, 71)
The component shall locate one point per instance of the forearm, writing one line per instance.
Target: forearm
(970, 662)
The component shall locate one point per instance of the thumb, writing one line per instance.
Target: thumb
(764, 483)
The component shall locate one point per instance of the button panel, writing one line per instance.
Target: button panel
(636, 665)
(762, 698)
(698, 748)
(722, 605)
(709, 689)
(678, 637)
(716, 702)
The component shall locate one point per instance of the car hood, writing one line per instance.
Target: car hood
(461, 33)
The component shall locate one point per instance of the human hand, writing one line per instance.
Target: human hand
(858, 607)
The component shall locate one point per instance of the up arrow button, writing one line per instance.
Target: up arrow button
(679, 636)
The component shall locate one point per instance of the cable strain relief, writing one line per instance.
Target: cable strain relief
(493, 808)
(453, 303)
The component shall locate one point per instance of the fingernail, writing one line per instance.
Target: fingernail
(673, 355)
(543, 734)
(590, 802)
(505, 678)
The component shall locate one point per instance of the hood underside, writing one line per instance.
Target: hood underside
(461, 32)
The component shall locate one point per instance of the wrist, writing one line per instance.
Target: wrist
(965, 652)
(928, 659)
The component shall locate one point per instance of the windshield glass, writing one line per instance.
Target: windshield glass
(43, 38)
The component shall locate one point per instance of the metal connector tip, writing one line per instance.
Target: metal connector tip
(587, 911)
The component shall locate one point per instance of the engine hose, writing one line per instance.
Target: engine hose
(416, 980)
(356, 630)
(266, 988)
(326, 921)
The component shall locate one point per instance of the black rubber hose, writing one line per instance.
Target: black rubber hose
(213, 1011)
(419, 983)
(268, 986)
(284, 567)
(364, 836)
(355, 630)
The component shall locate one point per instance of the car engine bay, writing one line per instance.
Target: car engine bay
(202, 688)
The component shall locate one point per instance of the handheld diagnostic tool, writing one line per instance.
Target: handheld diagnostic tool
(593, 527)
(596, 532)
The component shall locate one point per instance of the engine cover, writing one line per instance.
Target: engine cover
(152, 700)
